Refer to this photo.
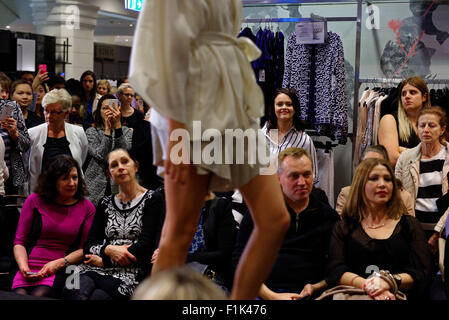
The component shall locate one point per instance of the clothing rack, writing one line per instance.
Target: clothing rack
(398, 80)
(357, 19)
(329, 19)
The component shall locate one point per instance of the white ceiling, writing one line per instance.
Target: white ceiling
(115, 24)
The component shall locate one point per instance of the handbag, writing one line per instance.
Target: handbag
(343, 292)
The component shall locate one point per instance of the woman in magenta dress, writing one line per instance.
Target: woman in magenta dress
(53, 225)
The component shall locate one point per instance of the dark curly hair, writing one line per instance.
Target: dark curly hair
(59, 166)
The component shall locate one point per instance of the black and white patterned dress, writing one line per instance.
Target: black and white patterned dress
(138, 225)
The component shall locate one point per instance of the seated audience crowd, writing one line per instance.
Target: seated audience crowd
(80, 153)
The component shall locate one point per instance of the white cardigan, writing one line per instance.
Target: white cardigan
(75, 135)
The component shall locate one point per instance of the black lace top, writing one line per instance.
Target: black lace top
(405, 251)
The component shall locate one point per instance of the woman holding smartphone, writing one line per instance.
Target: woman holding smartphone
(106, 135)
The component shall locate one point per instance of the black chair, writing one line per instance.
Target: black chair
(9, 218)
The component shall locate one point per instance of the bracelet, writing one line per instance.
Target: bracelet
(352, 280)
(388, 277)
(66, 262)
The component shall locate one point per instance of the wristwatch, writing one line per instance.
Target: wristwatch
(395, 277)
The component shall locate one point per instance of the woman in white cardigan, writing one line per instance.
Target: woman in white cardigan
(55, 136)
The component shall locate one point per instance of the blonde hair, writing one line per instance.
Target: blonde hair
(123, 87)
(404, 124)
(106, 83)
(178, 284)
(58, 95)
(356, 206)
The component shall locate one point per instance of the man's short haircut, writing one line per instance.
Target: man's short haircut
(294, 152)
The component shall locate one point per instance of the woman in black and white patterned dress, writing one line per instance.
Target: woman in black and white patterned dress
(123, 236)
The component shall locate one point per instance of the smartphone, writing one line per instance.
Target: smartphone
(32, 273)
(113, 103)
(6, 111)
(42, 68)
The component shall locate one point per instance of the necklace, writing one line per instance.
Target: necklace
(375, 227)
(127, 204)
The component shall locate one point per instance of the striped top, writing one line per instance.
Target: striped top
(430, 187)
(294, 138)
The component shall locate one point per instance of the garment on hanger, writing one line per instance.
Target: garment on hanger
(325, 157)
(269, 67)
(360, 124)
(317, 72)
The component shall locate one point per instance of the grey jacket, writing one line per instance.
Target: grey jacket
(99, 145)
(407, 170)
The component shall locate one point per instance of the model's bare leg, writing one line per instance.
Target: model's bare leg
(183, 206)
(265, 201)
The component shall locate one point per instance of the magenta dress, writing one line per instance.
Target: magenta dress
(50, 231)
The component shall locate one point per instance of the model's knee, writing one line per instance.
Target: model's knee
(277, 222)
(283, 221)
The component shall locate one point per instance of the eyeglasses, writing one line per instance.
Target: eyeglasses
(128, 95)
(53, 112)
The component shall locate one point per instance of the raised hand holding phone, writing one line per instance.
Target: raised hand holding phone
(115, 114)
(42, 75)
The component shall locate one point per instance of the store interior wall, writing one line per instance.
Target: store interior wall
(379, 47)
(378, 56)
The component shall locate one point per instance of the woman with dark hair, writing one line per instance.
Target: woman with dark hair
(284, 116)
(375, 233)
(106, 135)
(75, 89)
(90, 97)
(22, 92)
(53, 225)
(123, 236)
(41, 90)
(5, 86)
(14, 133)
